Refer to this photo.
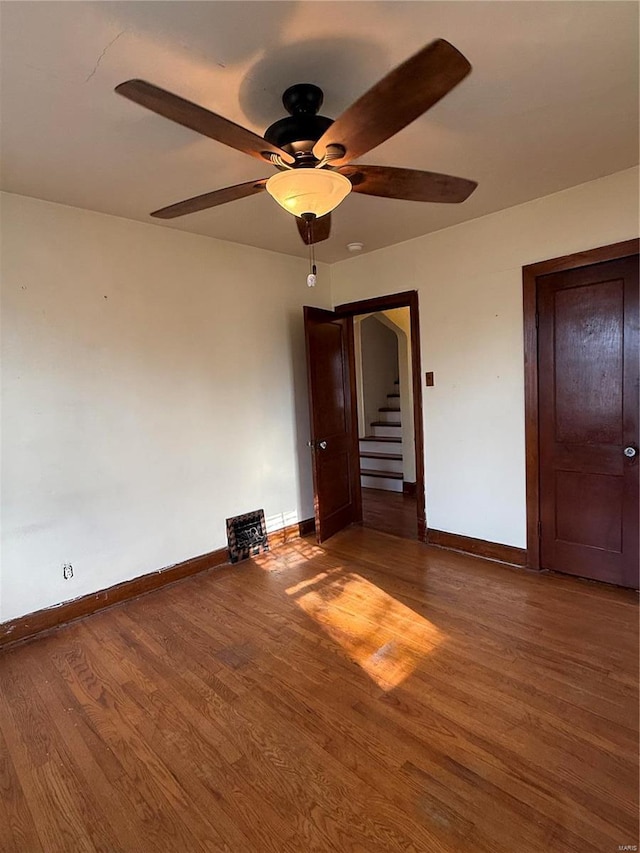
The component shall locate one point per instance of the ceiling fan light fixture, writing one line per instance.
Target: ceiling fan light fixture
(305, 190)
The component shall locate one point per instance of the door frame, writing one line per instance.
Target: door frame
(530, 275)
(406, 299)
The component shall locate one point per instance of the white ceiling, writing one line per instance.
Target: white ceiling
(552, 101)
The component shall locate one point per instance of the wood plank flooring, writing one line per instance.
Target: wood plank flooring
(390, 512)
(371, 695)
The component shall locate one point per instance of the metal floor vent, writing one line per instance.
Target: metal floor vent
(247, 535)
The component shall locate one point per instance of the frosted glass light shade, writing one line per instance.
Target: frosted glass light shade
(316, 191)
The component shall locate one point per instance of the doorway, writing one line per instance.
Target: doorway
(334, 435)
(384, 395)
(388, 402)
(581, 392)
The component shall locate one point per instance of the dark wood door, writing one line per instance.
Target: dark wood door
(588, 418)
(336, 472)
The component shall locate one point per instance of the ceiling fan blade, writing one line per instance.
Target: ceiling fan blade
(319, 230)
(207, 200)
(409, 184)
(199, 119)
(395, 101)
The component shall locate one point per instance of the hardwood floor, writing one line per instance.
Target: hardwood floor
(390, 512)
(370, 695)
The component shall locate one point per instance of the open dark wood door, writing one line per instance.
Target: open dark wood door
(333, 443)
(588, 420)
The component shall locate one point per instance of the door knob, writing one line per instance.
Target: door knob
(630, 452)
(322, 445)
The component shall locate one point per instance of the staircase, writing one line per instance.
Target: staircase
(381, 451)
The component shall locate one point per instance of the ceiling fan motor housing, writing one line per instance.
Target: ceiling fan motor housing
(298, 132)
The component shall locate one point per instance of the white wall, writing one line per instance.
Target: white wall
(400, 322)
(469, 279)
(379, 349)
(153, 385)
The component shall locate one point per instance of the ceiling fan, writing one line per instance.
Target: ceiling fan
(312, 153)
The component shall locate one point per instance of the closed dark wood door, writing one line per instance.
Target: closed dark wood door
(588, 421)
(336, 470)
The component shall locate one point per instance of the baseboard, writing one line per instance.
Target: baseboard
(307, 527)
(409, 489)
(293, 531)
(477, 547)
(25, 627)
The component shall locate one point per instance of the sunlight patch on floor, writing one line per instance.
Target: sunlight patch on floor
(295, 556)
(384, 637)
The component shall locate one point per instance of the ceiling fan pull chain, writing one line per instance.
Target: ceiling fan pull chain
(312, 277)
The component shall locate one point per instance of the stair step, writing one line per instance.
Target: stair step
(391, 463)
(375, 454)
(386, 430)
(385, 484)
(386, 423)
(388, 475)
(389, 409)
(389, 416)
(380, 444)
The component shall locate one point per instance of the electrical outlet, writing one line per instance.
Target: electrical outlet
(67, 571)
